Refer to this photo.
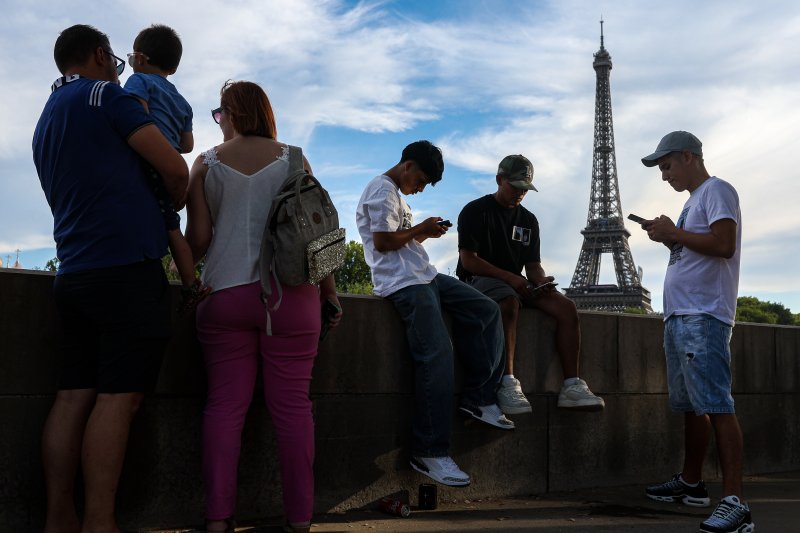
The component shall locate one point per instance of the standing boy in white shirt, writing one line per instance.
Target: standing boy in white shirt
(700, 290)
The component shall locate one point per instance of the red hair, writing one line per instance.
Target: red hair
(248, 109)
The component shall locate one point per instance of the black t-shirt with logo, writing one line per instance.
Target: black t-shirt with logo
(506, 238)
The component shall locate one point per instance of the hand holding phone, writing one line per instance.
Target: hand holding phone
(547, 285)
(534, 291)
(329, 310)
(445, 223)
(636, 218)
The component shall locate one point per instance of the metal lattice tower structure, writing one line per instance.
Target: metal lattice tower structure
(605, 231)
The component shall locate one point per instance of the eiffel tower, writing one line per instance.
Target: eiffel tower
(605, 230)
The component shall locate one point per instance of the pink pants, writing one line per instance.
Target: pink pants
(231, 330)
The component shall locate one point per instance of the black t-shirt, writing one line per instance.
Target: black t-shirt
(506, 238)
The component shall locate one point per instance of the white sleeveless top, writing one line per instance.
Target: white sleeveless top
(239, 206)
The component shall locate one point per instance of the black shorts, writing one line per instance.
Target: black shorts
(116, 324)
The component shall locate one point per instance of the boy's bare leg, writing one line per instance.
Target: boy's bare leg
(104, 445)
(182, 255)
(509, 311)
(568, 331)
(61, 451)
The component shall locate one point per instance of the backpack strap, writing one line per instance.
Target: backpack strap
(295, 159)
(295, 166)
(267, 252)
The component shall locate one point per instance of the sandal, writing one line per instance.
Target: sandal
(230, 526)
(192, 296)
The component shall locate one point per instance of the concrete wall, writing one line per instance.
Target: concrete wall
(363, 405)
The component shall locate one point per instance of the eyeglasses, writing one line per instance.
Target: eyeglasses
(132, 56)
(216, 114)
(120, 63)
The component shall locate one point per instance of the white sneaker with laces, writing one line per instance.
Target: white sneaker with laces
(441, 469)
(511, 399)
(489, 414)
(578, 396)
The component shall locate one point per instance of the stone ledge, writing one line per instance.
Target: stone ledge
(362, 395)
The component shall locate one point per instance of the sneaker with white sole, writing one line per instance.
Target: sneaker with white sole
(677, 491)
(578, 396)
(511, 399)
(730, 516)
(489, 414)
(441, 469)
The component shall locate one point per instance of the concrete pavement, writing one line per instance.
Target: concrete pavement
(774, 500)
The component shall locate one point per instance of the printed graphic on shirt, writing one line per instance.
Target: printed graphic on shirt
(677, 249)
(407, 221)
(522, 235)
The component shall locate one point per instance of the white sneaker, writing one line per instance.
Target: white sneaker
(441, 469)
(579, 397)
(489, 414)
(511, 399)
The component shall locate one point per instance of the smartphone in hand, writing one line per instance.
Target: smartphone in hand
(329, 310)
(548, 285)
(636, 218)
(445, 223)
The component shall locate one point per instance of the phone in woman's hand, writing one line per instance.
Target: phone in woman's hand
(329, 310)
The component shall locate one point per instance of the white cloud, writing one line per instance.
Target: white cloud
(488, 80)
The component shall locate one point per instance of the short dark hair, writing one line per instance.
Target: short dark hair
(428, 158)
(248, 108)
(161, 44)
(76, 44)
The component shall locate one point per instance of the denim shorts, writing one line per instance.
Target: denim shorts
(698, 354)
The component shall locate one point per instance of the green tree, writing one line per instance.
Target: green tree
(635, 310)
(173, 275)
(166, 261)
(52, 265)
(354, 276)
(751, 309)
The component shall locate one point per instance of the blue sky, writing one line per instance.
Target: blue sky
(354, 82)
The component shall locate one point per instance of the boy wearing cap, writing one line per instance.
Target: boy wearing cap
(700, 290)
(497, 237)
(402, 273)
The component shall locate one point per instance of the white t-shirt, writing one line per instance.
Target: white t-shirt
(696, 283)
(381, 209)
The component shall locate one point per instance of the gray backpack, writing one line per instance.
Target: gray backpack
(302, 240)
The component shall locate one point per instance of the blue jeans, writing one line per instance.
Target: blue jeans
(478, 340)
(698, 354)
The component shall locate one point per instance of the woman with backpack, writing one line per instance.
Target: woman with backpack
(231, 188)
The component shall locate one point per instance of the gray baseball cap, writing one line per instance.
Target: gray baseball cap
(518, 171)
(677, 141)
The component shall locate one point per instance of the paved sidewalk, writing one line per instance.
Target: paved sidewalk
(774, 500)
